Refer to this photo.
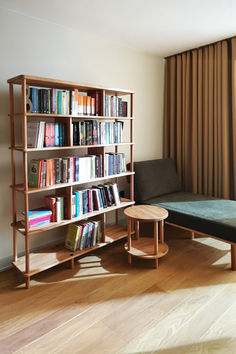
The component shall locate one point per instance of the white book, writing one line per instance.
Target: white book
(115, 193)
(32, 134)
(58, 209)
(84, 168)
(40, 140)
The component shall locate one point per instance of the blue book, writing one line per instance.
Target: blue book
(85, 201)
(60, 134)
(116, 132)
(107, 132)
(34, 99)
(77, 203)
(38, 213)
(90, 232)
(86, 231)
(56, 127)
(111, 165)
(76, 168)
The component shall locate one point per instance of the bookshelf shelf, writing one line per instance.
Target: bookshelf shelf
(52, 225)
(74, 147)
(52, 256)
(30, 190)
(81, 117)
(107, 105)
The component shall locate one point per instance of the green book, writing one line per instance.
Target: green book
(34, 173)
(72, 237)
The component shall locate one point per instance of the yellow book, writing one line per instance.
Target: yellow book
(72, 237)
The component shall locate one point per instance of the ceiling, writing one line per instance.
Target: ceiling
(161, 27)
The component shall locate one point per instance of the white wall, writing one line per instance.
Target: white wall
(34, 47)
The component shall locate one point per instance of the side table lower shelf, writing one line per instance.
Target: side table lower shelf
(54, 255)
(144, 248)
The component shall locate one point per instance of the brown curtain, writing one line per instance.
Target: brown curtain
(200, 118)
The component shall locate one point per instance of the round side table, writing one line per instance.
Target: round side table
(146, 247)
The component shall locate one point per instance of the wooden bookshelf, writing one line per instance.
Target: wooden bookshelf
(32, 263)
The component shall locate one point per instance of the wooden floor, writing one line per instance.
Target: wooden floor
(105, 305)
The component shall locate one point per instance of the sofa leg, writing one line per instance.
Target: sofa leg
(233, 256)
(192, 235)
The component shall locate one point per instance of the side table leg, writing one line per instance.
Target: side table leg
(161, 225)
(137, 229)
(156, 242)
(129, 239)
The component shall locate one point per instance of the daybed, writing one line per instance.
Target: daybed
(156, 183)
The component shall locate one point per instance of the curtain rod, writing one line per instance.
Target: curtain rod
(201, 46)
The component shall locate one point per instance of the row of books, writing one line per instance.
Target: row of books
(83, 201)
(86, 103)
(74, 102)
(115, 106)
(83, 235)
(48, 172)
(42, 134)
(96, 198)
(55, 101)
(114, 163)
(44, 100)
(93, 132)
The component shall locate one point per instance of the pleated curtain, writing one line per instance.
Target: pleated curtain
(200, 118)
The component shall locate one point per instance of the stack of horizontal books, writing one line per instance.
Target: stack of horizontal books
(37, 217)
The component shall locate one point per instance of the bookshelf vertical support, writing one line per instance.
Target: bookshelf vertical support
(26, 201)
(131, 148)
(12, 126)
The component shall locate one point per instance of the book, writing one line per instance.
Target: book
(32, 134)
(51, 205)
(34, 173)
(37, 213)
(38, 221)
(72, 237)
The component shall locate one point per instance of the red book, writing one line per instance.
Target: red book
(47, 173)
(90, 202)
(47, 135)
(41, 173)
(52, 142)
(51, 204)
(53, 171)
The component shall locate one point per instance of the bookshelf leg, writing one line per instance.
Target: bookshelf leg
(14, 245)
(27, 282)
(72, 263)
(192, 235)
(233, 256)
(129, 258)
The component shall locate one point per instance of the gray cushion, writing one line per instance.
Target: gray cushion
(154, 178)
(212, 216)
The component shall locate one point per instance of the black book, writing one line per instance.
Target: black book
(108, 195)
(75, 133)
(95, 132)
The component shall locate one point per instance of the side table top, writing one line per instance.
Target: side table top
(146, 213)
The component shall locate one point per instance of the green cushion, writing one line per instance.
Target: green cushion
(155, 178)
(216, 217)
